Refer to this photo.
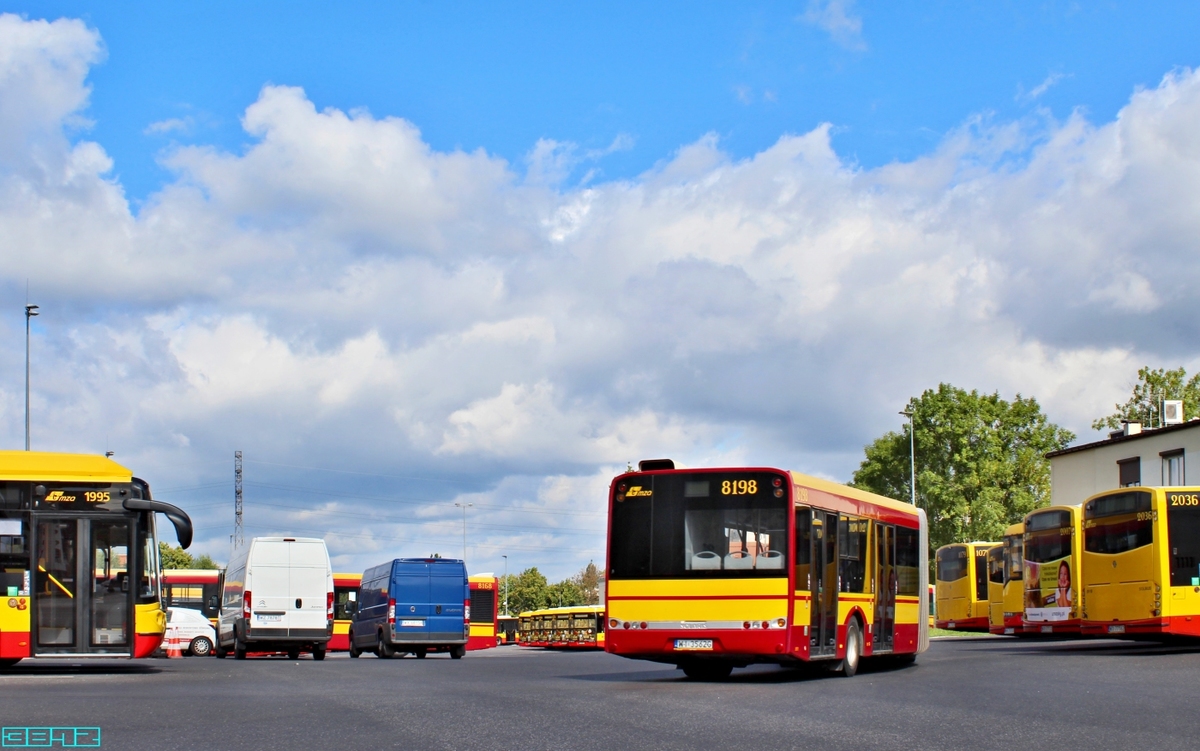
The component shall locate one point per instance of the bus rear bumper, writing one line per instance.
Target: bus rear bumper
(964, 624)
(1184, 626)
(673, 646)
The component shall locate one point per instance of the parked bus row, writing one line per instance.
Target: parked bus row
(577, 627)
(1124, 563)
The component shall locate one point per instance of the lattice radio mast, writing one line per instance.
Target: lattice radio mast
(237, 499)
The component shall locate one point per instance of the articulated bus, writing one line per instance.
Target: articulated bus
(484, 606)
(345, 591)
(194, 589)
(711, 569)
(1008, 619)
(1141, 562)
(79, 555)
(1053, 541)
(962, 586)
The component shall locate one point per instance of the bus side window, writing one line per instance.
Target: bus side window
(908, 561)
(803, 548)
(852, 541)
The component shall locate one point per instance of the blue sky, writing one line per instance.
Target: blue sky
(501, 76)
(419, 255)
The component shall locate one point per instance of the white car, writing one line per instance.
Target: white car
(196, 633)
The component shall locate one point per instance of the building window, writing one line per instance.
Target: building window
(1172, 467)
(1130, 472)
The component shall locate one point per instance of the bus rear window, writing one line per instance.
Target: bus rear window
(995, 565)
(1014, 563)
(1048, 536)
(1183, 531)
(1117, 523)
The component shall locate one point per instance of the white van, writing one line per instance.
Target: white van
(278, 597)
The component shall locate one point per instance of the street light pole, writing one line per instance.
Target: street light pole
(505, 583)
(30, 312)
(912, 457)
(464, 506)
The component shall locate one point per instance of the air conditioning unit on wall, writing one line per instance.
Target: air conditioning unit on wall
(1172, 412)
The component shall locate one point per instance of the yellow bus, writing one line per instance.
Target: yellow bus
(1140, 562)
(962, 586)
(573, 626)
(1012, 599)
(79, 555)
(995, 587)
(711, 569)
(1052, 542)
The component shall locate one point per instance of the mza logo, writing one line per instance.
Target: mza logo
(638, 492)
(50, 737)
(57, 496)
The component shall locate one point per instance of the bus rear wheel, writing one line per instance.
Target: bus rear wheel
(853, 649)
(706, 670)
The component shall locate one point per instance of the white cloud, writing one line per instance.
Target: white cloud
(838, 19)
(170, 125)
(435, 327)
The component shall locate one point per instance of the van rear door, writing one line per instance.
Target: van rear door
(447, 590)
(268, 574)
(410, 590)
(308, 585)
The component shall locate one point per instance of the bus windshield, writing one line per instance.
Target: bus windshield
(1116, 523)
(1013, 558)
(705, 524)
(995, 565)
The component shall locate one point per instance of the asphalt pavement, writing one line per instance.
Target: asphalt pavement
(988, 693)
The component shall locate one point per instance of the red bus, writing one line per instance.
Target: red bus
(484, 608)
(345, 589)
(711, 569)
(195, 589)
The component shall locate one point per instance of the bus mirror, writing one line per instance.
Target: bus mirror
(213, 603)
(351, 607)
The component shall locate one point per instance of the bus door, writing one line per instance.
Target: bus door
(823, 633)
(82, 591)
(883, 629)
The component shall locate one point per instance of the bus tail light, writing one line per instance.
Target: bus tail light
(391, 612)
(613, 623)
(246, 605)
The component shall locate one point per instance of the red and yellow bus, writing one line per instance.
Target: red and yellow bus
(995, 588)
(1052, 544)
(484, 607)
(962, 586)
(1007, 616)
(345, 591)
(1141, 562)
(711, 569)
(195, 589)
(79, 555)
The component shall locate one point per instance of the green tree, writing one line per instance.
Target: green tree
(980, 462)
(565, 593)
(173, 557)
(588, 582)
(204, 562)
(1145, 404)
(528, 590)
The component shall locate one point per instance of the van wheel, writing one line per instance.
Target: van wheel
(293, 654)
(220, 652)
(319, 652)
(458, 652)
(853, 649)
(201, 646)
(354, 650)
(239, 650)
(383, 650)
(420, 653)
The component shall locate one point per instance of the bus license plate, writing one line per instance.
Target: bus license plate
(413, 624)
(693, 645)
(1116, 629)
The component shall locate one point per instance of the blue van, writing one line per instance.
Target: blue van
(415, 605)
